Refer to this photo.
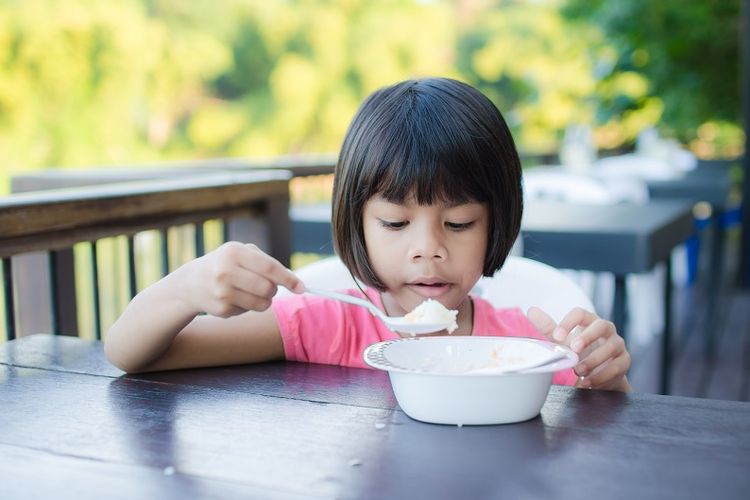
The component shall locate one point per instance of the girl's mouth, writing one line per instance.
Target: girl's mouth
(429, 289)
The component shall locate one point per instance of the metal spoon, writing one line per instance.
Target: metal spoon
(395, 323)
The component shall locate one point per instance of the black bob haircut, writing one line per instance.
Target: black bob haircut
(439, 140)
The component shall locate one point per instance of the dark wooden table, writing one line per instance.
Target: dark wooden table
(74, 427)
(620, 239)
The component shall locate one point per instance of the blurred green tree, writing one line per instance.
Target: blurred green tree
(687, 51)
(532, 64)
(85, 82)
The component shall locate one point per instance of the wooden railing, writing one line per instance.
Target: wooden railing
(299, 166)
(38, 231)
(52, 210)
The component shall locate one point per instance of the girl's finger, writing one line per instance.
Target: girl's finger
(577, 317)
(599, 328)
(542, 321)
(571, 324)
(254, 259)
(250, 302)
(611, 348)
(610, 374)
(238, 292)
(254, 284)
(224, 310)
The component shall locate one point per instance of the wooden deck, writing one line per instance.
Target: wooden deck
(726, 374)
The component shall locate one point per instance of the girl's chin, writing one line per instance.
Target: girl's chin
(448, 300)
(406, 299)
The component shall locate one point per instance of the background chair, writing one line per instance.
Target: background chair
(524, 282)
(520, 283)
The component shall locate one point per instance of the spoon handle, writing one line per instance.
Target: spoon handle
(496, 370)
(552, 359)
(348, 298)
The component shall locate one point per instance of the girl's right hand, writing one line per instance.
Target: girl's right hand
(234, 278)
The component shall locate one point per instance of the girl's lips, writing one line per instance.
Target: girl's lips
(429, 290)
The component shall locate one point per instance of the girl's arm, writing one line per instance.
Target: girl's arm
(162, 328)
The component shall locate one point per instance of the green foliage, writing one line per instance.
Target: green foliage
(686, 52)
(532, 65)
(86, 82)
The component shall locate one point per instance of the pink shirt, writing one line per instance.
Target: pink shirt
(319, 330)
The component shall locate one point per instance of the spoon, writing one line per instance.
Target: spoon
(558, 354)
(395, 323)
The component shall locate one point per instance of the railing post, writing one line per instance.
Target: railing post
(280, 226)
(34, 279)
(269, 230)
(36, 289)
(9, 302)
(65, 292)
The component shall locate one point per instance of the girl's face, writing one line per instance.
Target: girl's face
(426, 251)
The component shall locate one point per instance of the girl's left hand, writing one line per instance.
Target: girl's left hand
(603, 358)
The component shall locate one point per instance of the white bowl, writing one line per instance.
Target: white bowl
(449, 380)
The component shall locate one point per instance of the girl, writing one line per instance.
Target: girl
(426, 199)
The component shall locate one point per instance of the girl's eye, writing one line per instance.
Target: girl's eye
(393, 225)
(459, 226)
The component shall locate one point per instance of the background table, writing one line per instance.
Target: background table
(72, 427)
(620, 239)
(709, 181)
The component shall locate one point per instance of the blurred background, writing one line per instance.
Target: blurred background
(85, 83)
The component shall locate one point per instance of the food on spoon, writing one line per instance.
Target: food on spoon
(432, 311)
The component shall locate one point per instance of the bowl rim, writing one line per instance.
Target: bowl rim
(374, 356)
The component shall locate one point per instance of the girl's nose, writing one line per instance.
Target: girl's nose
(427, 244)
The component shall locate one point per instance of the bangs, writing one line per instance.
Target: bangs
(428, 181)
(427, 153)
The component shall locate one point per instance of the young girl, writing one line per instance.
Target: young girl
(426, 199)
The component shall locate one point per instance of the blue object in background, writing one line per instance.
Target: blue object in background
(693, 247)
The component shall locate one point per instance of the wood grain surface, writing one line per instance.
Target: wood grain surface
(73, 426)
